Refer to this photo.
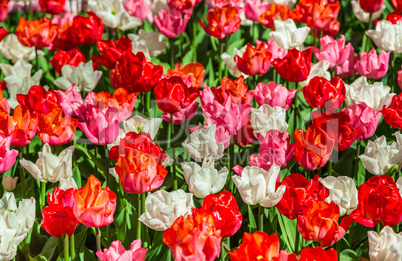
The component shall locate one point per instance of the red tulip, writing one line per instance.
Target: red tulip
(58, 220)
(4, 10)
(134, 73)
(73, 57)
(255, 60)
(397, 5)
(52, 7)
(184, 6)
(318, 253)
(371, 6)
(39, 100)
(173, 94)
(224, 208)
(321, 93)
(274, 12)
(337, 126)
(221, 21)
(298, 192)
(295, 66)
(3, 33)
(95, 206)
(193, 238)
(111, 51)
(393, 114)
(245, 135)
(139, 163)
(66, 198)
(39, 33)
(313, 147)
(379, 201)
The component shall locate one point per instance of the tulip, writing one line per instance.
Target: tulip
(192, 74)
(274, 12)
(7, 155)
(9, 183)
(117, 252)
(364, 118)
(287, 35)
(255, 60)
(173, 94)
(111, 51)
(193, 238)
(134, 73)
(385, 36)
(319, 69)
(65, 197)
(138, 8)
(95, 206)
(319, 222)
(260, 246)
(317, 253)
(18, 80)
(295, 66)
(3, 33)
(363, 15)
(222, 21)
(58, 220)
(55, 129)
(379, 157)
(139, 163)
(253, 9)
(39, 100)
(392, 115)
(313, 147)
(204, 180)
(52, 7)
(234, 91)
(202, 144)
(73, 57)
(231, 63)
(397, 4)
(183, 6)
(298, 192)
(151, 44)
(172, 23)
(224, 208)
(114, 15)
(268, 118)
(4, 10)
(386, 245)
(162, 208)
(274, 149)
(371, 6)
(343, 192)
(257, 186)
(372, 66)
(13, 50)
(274, 95)
(333, 51)
(321, 93)
(38, 33)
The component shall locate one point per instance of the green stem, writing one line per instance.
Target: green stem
(297, 240)
(227, 239)
(392, 82)
(330, 167)
(145, 243)
(260, 218)
(107, 166)
(72, 249)
(139, 214)
(295, 113)
(366, 39)
(98, 243)
(222, 251)
(43, 194)
(173, 154)
(36, 59)
(148, 103)
(22, 175)
(231, 164)
(66, 251)
(220, 59)
(96, 167)
(357, 160)
(172, 53)
(194, 40)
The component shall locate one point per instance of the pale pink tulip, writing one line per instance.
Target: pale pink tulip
(372, 65)
(138, 8)
(117, 252)
(274, 95)
(253, 9)
(333, 51)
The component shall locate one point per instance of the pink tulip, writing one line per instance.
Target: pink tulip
(171, 23)
(371, 65)
(70, 100)
(333, 51)
(400, 79)
(276, 52)
(274, 149)
(117, 252)
(7, 156)
(138, 8)
(274, 95)
(363, 117)
(253, 9)
(347, 68)
(183, 114)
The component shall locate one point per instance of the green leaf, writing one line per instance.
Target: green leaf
(252, 223)
(348, 255)
(49, 247)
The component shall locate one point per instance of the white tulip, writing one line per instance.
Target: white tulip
(287, 35)
(204, 180)
(374, 95)
(13, 50)
(379, 157)
(343, 192)
(15, 223)
(151, 44)
(84, 76)
(399, 185)
(231, 64)
(386, 246)
(113, 14)
(18, 79)
(256, 186)
(387, 36)
(319, 69)
(162, 208)
(289, 3)
(49, 167)
(202, 143)
(268, 118)
(363, 16)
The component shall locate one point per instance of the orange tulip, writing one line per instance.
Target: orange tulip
(39, 33)
(194, 238)
(319, 223)
(222, 21)
(94, 205)
(274, 11)
(236, 89)
(192, 74)
(54, 129)
(255, 60)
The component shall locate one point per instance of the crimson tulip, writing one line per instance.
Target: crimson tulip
(39, 100)
(111, 51)
(73, 57)
(3, 33)
(58, 220)
(318, 253)
(53, 7)
(295, 66)
(393, 114)
(255, 60)
(371, 6)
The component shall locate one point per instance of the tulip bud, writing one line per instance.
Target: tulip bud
(9, 183)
